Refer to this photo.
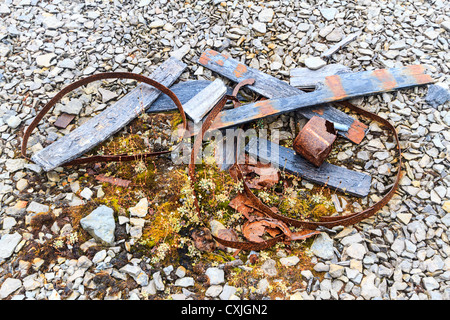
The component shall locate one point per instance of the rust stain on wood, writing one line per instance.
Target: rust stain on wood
(240, 70)
(335, 85)
(386, 78)
(318, 111)
(204, 59)
(220, 62)
(416, 71)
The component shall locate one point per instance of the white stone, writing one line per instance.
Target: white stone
(9, 286)
(8, 244)
(140, 209)
(314, 63)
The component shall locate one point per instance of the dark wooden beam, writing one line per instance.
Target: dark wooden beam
(104, 125)
(339, 178)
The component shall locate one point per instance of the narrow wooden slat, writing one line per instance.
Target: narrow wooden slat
(110, 121)
(185, 91)
(339, 178)
(336, 88)
(273, 88)
(199, 105)
(306, 78)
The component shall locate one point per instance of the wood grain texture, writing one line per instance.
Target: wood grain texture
(199, 105)
(307, 78)
(273, 88)
(339, 178)
(104, 125)
(184, 91)
(336, 88)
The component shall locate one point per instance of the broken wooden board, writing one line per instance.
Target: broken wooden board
(335, 88)
(199, 105)
(328, 53)
(184, 91)
(338, 178)
(305, 78)
(110, 121)
(273, 88)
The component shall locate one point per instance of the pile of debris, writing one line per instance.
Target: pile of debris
(315, 94)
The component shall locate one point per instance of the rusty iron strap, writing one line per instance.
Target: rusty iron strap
(89, 79)
(327, 222)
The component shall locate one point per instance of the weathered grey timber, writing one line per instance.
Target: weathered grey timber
(273, 88)
(339, 178)
(336, 88)
(340, 44)
(197, 107)
(110, 121)
(184, 91)
(305, 78)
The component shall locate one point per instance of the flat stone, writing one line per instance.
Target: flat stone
(45, 60)
(73, 106)
(356, 251)
(9, 286)
(289, 261)
(100, 224)
(368, 288)
(265, 15)
(181, 52)
(140, 209)
(269, 268)
(185, 282)
(107, 95)
(322, 247)
(259, 27)
(67, 63)
(213, 291)
(8, 244)
(328, 13)
(37, 207)
(227, 292)
(314, 63)
(215, 275)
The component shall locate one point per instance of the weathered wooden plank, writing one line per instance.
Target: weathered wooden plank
(335, 88)
(184, 91)
(272, 88)
(338, 178)
(340, 44)
(197, 107)
(110, 121)
(305, 78)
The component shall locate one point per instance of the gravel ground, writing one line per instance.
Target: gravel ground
(401, 253)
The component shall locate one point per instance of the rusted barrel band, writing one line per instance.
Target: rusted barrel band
(89, 79)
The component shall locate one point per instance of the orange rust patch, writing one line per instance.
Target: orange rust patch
(318, 111)
(416, 71)
(265, 107)
(220, 62)
(240, 69)
(386, 78)
(335, 85)
(204, 59)
(356, 132)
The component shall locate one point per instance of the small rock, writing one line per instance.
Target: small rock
(289, 261)
(269, 268)
(9, 286)
(86, 193)
(8, 244)
(185, 282)
(140, 209)
(265, 15)
(44, 60)
(13, 122)
(215, 275)
(322, 247)
(259, 27)
(368, 288)
(100, 224)
(181, 52)
(328, 13)
(213, 291)
(314, 63)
